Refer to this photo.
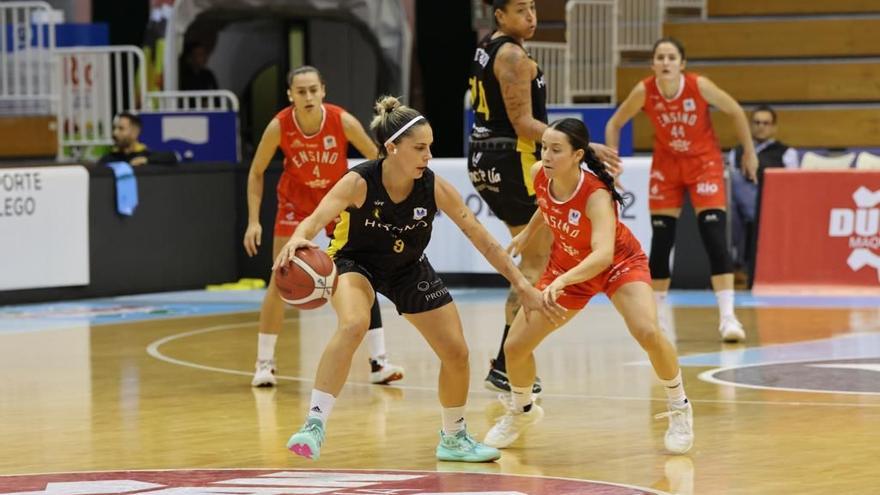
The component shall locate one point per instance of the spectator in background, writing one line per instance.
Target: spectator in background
(746, 194)
(194, 71)
(126, 147)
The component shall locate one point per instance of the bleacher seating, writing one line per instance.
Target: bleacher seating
(778, 38)
(776, 7)
(819, 71)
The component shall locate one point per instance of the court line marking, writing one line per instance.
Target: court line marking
(153, 350)
(652, 491)
(708, 376)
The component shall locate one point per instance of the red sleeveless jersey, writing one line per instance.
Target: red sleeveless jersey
(312, 163)
(568, 220)
(681, 124)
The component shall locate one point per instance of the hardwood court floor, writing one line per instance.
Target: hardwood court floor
(174, 393)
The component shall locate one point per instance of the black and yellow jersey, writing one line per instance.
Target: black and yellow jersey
(490, 115)
(382, 235)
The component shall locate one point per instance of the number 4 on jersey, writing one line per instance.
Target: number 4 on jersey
(478, 97)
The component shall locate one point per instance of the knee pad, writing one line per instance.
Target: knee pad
(662, 240)
(375, 314)
(713, 231)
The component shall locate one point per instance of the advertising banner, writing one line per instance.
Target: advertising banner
(44, 227)
(820, 230)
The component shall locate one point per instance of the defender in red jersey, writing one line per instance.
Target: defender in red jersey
(687, 158)
(314, 137)
(592, 252)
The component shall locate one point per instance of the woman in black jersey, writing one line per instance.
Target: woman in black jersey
(386, 208)
(508, 95)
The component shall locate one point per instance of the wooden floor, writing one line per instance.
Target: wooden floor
(174, 393)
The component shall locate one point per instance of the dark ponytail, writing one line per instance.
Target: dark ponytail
(579, 137)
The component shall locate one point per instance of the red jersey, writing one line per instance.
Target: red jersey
(572, 232)
(681, 124)
(312, 163)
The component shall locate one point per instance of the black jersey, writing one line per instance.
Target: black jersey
(490, 116)
(382, 235)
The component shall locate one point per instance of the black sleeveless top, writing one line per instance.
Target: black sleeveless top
(490, 116)
(382, 235)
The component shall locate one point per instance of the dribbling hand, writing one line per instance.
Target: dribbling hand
(288, 252)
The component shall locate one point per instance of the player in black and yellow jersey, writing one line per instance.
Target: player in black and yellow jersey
(508, 95)
(387, 207)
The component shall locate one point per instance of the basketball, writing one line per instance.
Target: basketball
(308, 281)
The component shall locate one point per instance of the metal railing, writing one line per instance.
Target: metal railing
(640, 24)
(27, 38)
(95, 84)
(219, 100)
(551, 59)
(591, 31)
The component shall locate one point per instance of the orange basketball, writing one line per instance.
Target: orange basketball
(308, 281)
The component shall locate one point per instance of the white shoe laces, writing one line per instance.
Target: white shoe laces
(677, 420)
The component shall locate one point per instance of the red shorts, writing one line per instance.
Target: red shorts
(576, 296)
(287, 220)
(702, 176)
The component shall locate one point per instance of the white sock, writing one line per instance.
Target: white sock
(376, 342)
(522, 398)
(453, 419)
(675, 390)
(725, 303)
(266, 345)
(321, 406)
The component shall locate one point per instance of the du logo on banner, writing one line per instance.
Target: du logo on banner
(862, 226)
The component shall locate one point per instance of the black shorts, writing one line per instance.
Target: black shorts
(504, 180)
(413, 290)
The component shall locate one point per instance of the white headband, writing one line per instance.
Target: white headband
(402, 130)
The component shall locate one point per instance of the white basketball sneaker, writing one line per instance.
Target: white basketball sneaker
(680, 434)
(382, 372)
(264, 376)
(731, 330)
(510, 426)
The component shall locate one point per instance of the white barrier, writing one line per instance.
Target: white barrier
(95, 84)
(591, 31)
(44, 218)
(27, 38)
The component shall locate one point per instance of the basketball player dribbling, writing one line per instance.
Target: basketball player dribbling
(314, 137)
(387, 207)
(687, 157)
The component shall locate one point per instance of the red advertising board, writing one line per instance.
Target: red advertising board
(819, 231)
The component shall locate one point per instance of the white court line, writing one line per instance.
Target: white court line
(708, 376)
(153, 350)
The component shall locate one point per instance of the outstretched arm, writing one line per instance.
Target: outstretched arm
(358, 137)
(724, 102)
(624, 113)
(265, 150)
(450, 202)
